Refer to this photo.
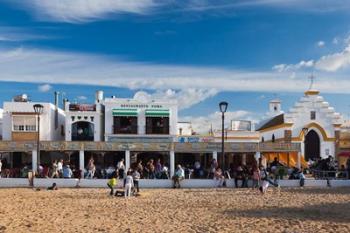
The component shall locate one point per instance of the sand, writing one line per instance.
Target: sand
(168, 210)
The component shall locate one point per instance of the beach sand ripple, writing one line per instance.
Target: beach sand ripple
(185, 210)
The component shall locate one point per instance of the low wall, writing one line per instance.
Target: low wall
(193, 183)
(14, 182)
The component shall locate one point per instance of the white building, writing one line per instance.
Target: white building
(20, 123)
(240, 131)
(140, 119)
(1, 115)
(311, 122)
(85, 122)
(184, 129)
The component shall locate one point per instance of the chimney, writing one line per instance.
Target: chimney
(98, 97)
(56, 98)
(65, 100)
(56, 110)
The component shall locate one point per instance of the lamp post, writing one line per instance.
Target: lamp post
(38, 109)
(223, 107)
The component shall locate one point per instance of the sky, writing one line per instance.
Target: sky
(200, 52)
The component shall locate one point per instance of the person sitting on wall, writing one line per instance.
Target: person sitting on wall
(213, 167)
(348, 167)
(165, 172)
(67, 172)
(121, 169)
(239, 176)
(179, 175)
(219, 178)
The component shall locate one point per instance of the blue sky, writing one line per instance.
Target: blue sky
(197, 51)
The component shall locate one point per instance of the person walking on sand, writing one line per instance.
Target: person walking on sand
(136, 177)
(112, 183)
(128, 184)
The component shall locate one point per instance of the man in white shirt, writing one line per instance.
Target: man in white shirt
(0, 167)
(179, 175)
(60, 167)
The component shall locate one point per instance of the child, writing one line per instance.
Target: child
(128, 184)
(256, 177)
(265, 181)
(111, 184)
(53, 187)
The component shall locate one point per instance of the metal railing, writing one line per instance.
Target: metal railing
(334, 174)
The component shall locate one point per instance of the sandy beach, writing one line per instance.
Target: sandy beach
(167, 210)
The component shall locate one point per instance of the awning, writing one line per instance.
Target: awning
(157, 113)
(344, 154)
(125, 112)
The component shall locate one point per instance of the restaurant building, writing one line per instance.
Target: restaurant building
(85, 122)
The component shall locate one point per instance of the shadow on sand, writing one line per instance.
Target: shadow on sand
(325, 190)
(334, 212)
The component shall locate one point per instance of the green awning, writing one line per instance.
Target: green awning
(157, 113)
(125, 112)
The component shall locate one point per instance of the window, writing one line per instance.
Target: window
(157, 125)
(125, 125)
(273, 138)
(275, 108)
(24, 123)
(313, 115)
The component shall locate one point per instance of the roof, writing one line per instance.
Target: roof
(277, 120)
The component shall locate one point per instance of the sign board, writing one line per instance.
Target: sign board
(182, 147)
(82, 107)
(241, 125)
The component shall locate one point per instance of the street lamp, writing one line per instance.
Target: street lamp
(223, 107)
(38, 109)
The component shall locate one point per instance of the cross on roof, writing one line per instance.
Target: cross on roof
(312, 79)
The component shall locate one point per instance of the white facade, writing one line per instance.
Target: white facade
(92, 114)
(311, 112)
(1, 116)
(184, 129)
(140, 106)
(49, 131)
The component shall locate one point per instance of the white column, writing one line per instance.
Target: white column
(35, 161)
(81, 162)
(299, 160)
(215, 155)
(172, 163)
(257, 156)
(127, 160)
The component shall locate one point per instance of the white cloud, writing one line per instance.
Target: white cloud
(14, 34)
(335, 40)
(82, 97)
(78, 11)
(335, 62)
(189, 84)
(293, 67)
(202, 124)
(184, 97)
(44, 87)
(321, 43)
